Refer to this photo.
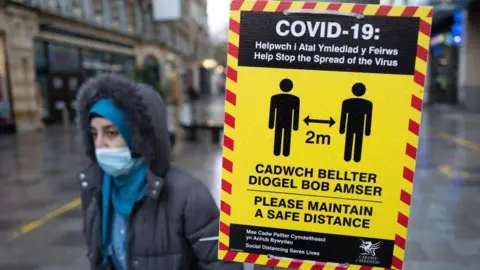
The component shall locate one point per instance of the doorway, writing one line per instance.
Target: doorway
(63, 88)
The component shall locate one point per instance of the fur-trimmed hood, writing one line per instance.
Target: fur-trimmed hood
(145, 110)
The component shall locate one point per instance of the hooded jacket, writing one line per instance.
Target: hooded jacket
(165, 227)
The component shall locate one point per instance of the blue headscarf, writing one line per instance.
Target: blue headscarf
(122, 191)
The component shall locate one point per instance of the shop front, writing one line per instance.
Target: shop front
(446, 48)
(61, 69)
(444, 71)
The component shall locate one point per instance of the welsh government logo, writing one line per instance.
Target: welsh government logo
(369, 248)
(369, 253)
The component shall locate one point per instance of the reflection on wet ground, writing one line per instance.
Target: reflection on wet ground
(38, 175)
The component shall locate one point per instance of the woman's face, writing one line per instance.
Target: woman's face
(105, 134)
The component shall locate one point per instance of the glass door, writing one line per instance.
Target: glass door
(63, 89)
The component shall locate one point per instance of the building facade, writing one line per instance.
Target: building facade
(49, 47)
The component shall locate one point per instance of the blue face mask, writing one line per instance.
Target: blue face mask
(115, 161)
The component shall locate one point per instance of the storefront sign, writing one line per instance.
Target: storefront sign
(97, 65)
(321, 131)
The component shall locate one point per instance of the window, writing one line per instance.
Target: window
(53, 5)
(40, 59)
(182, 42)
(115, 13)
(130, 11)
(153, 68)
(63, 58)
(166, 34)
(94, 60)
(197, 13)
(126, 63)
(97, 56)
(138, 17)
(77, 9)
(122, 15)
(42, 83)
(148, 22)
(115, 23)
(98, 11)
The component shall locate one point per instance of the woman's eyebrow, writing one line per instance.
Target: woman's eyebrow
(109, 127)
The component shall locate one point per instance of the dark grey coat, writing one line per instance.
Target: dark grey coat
(166, 227)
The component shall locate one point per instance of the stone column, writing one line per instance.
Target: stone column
(21, 29)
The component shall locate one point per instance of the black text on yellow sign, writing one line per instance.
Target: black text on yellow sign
(323, 102)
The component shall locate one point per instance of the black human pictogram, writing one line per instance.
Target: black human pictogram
(356, 121)
(284, 116)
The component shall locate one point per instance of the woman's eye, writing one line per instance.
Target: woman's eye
(112, 133)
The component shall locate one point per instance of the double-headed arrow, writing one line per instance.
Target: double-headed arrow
(309, 120)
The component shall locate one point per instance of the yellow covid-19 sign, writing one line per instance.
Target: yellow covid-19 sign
(321, 131)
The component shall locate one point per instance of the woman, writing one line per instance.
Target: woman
(139, 211)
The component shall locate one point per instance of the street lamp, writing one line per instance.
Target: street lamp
(209, 64)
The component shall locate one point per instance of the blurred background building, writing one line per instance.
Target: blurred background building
(49, 47)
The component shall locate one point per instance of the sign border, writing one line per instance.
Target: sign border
(424, 13)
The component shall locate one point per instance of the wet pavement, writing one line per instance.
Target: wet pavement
(38, 176)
